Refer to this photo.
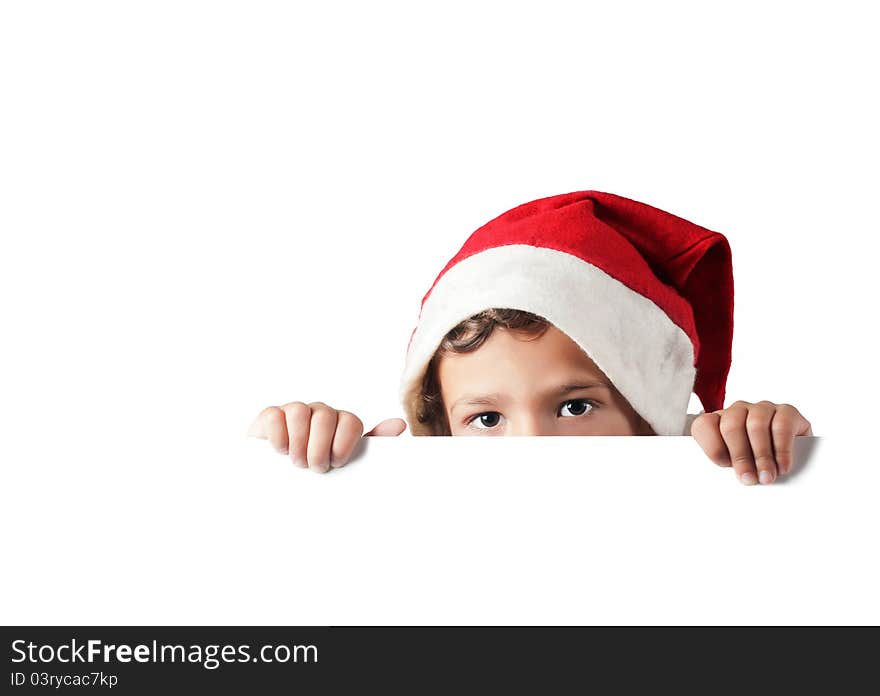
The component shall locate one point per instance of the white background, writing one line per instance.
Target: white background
(207, 208)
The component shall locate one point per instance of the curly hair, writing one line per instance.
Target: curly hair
(466, 337)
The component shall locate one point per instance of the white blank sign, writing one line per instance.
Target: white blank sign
(559, 530)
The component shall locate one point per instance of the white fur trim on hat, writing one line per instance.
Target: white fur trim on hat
(647, 357)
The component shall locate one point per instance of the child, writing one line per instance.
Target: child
(584, 313)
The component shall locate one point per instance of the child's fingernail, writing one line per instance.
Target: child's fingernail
(748, 478)
(766, 477)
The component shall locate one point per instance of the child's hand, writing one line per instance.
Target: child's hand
(315, 435)
(756, 439)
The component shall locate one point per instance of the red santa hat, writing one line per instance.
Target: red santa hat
(646, 294)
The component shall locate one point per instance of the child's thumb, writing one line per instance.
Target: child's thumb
(256, 429)
(388, 428)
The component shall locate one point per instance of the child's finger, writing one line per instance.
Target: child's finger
(390, 427)
(758, 427)
(270, 425)
(705, 431)
(321, 431)
(298, 417)
(348, 433)
(255, 429)
(733, 430)
(786, 425)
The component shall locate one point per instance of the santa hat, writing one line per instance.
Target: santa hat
(646, 294)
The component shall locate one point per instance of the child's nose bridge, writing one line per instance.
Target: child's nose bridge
(529, 422)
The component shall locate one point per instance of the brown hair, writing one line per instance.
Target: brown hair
(466, 337)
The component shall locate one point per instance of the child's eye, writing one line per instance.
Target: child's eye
(577, 407)
(484, 421)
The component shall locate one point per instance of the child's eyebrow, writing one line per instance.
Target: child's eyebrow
(565, 389)
(490, 399)
(471, 399)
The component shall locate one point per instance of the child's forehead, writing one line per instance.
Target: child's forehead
(550, 357)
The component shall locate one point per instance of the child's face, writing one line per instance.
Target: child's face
(516, 385)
